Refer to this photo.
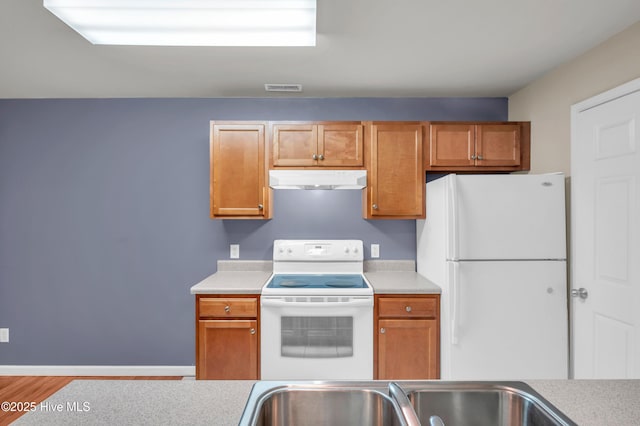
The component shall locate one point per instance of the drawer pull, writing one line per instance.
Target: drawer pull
(382, 330)
(252, 331)
(407, 308)
(227, 309)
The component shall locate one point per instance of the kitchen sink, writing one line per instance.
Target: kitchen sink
(336, 403)
(409, 403)
(482, 403)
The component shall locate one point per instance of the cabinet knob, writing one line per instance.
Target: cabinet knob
(314, 156)
(227, 309)
(407, 308)
(382, 330)
(375, 207)
(473, 157)
(260, 207)
(321, 157)
(480, 157)
(252, 331)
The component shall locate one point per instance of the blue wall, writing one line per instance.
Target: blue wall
(104, 222)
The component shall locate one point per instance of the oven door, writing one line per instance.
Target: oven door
(316, 338)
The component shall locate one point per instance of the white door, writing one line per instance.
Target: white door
(605, 168)
(509, 217)
(508, 321)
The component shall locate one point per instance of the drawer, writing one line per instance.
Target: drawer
(228, 307)
(407, 307)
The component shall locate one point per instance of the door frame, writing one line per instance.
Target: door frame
(577, 108)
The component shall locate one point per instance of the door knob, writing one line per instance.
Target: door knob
(581, 292)
(375, 207)
(252, 331)
(314, 156)
(260, 207)
(321, 157)
(382, 330)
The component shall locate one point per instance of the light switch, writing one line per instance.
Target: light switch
(234, 251)
(4, 335)
(375, 250)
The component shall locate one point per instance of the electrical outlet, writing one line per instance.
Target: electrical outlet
(4, 335)
(234, 251)
(375, 250)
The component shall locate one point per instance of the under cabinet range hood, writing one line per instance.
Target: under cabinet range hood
(317, 179)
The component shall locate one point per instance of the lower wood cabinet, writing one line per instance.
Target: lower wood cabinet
(227, 337)
(407, 337)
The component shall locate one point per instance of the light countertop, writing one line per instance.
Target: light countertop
(143, 402)
(401, 282)
(209, 402)
(594, 402)
(235, 277)
(248, 277)
(232, 282)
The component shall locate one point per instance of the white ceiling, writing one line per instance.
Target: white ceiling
(364, 48)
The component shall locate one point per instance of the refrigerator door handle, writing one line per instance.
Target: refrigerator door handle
(455, 301)
(452, 219)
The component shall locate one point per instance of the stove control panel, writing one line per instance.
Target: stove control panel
(318, 250)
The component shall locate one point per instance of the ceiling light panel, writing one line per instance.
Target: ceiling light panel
(190, 22)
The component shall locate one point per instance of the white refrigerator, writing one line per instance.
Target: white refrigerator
(496, 245)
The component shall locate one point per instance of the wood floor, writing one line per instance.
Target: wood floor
(35, 389)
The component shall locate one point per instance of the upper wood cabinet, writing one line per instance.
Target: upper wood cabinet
(239, 183)
(338, 144)
(396, 180)
(478, 146)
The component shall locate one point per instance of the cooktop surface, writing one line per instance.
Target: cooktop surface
(286, 281)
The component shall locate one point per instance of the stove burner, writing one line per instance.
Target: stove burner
(294, 283)
(340, 283)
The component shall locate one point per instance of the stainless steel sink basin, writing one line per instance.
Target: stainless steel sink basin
(412, 403)
(325, 404)
(482, 403)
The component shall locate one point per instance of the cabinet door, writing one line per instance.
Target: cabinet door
(498, 145)
(407, 349)
(227, 350)
(397, 180)
(340, 145)
(238, 171)
(295, 145)
(451, 145)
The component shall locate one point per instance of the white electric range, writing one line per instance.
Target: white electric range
(316, 313)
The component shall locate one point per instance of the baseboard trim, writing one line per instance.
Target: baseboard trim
(97, 370)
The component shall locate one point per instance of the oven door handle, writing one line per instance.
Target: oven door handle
(297, 304)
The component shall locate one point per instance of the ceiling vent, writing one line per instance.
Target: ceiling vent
(272, 87)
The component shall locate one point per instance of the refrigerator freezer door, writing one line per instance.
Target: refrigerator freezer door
(510, 321)
(507, 217)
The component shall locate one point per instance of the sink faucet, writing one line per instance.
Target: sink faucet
(435, 421)
(408, 412)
